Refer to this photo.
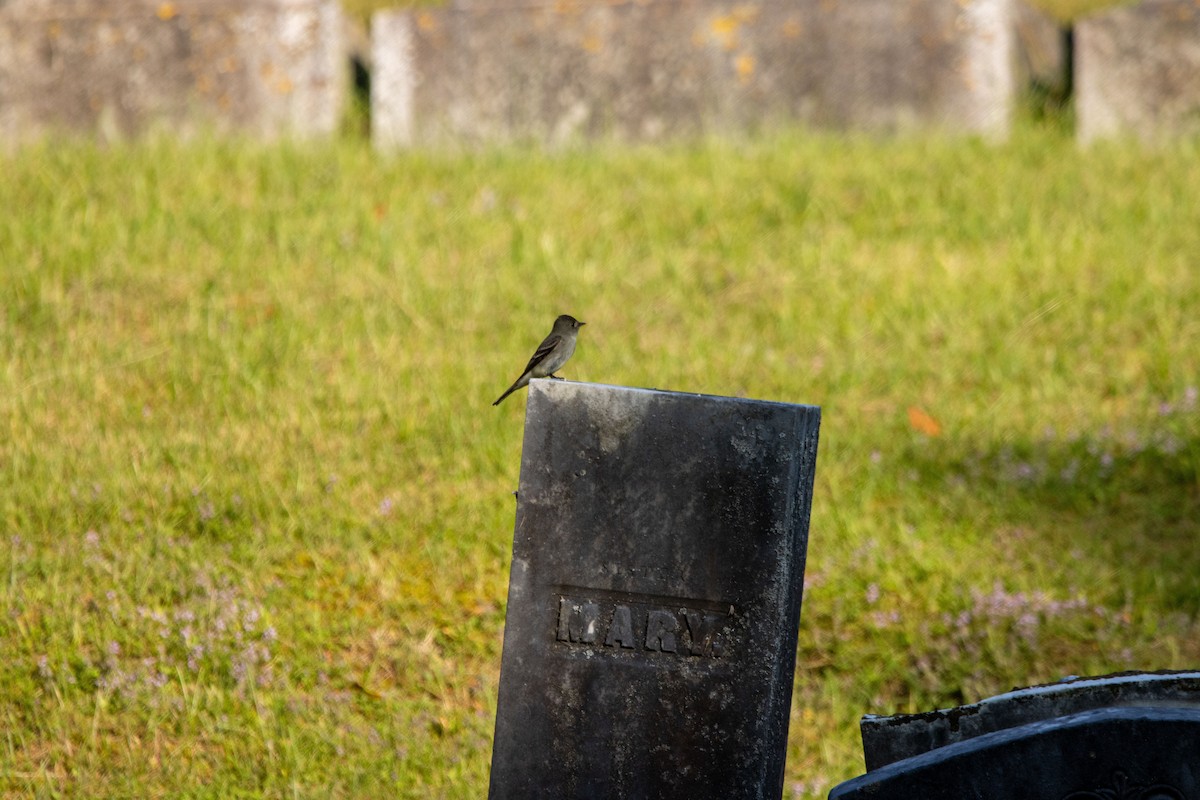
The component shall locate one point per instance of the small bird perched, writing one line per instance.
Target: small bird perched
(551, 354)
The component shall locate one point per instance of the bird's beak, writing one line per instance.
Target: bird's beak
(582, 324)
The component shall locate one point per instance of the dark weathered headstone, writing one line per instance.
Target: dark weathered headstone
(1137, 71)
(1133, 736)
(1134, 753)
(654, 599)
(119, 67)
(894, 738)
(549, 70)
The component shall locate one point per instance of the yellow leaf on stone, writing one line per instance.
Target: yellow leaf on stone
(744, 64)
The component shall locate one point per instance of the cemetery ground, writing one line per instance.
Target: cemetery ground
(256, 504)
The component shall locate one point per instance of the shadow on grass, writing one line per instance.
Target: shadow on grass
(1130, 500)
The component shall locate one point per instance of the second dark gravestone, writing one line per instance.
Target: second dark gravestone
(654, 599)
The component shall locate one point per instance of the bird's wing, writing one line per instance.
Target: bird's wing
(548, 344)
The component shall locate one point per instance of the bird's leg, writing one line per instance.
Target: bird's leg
(552, 376)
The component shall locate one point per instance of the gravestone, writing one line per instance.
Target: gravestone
(654, 598)
(1133, 736)
(1137, 71)
(1133, 753)
(894, 738)
(120, 67)
(556, 70)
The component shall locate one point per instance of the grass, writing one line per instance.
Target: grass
(256, 504)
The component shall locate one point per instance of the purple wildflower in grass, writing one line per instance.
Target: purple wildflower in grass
(269, 634)
(1165, 409)
(91, 539)
(1027, 625)
(815, 786)
(1190, 395)
(885, 619)
(43, 667)
(206, 511)
(194, 656)
(876, 457)
(385, 506)
(266, 676)
(873, 594)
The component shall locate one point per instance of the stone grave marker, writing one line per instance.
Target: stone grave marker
(1133, 736)
(555, 71)
(1137, 71)
(654, 598)
(890, 739)
(120, 67)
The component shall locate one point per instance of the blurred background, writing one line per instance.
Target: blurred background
(266, 265)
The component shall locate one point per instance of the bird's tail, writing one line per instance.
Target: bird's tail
(508, 391)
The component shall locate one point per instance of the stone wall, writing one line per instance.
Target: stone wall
(560, 70)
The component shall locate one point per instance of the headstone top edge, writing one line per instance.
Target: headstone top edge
(1128, 9)
(550, 386)
(1065, 686)
(179, 7)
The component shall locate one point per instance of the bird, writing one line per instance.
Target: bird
(551, 354)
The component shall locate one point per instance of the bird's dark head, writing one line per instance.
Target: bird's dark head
(567, 323)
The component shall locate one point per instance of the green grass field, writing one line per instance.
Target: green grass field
(256, 505)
